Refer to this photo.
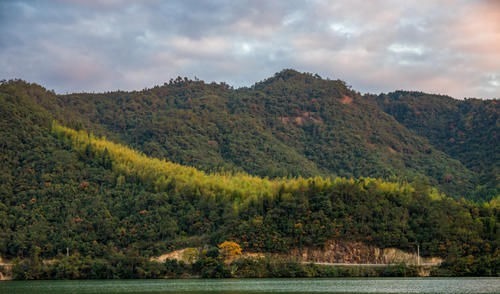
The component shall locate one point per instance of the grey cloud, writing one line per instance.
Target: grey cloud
(373, 45)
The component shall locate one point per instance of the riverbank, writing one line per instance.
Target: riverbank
(121, 267)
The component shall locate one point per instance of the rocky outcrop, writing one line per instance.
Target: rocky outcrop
(337, 251)
(177, 255)
(334, 252)
(5, 270)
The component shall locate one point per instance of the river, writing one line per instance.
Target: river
(246, 286)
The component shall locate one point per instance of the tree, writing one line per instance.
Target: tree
(229, 250)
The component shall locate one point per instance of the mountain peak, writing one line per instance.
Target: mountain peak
(292, 74)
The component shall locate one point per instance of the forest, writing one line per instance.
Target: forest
(97, 184)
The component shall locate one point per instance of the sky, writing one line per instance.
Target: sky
(447, 47)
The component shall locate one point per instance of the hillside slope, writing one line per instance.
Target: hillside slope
(291, 124)
(466, 130)
(63, 193)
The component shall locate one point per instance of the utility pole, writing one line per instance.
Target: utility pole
(418, 254)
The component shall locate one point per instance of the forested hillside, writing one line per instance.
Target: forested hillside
(99, 209)
(289, 125)
(466, 130)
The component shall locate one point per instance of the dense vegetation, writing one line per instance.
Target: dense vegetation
(292, 124)
(112, 208)
(466, 130)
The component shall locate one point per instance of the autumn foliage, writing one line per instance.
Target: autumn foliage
(229, 250)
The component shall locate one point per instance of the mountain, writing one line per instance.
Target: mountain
(289, 125)
(99, 209)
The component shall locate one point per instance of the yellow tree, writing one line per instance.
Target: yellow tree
(229, 250)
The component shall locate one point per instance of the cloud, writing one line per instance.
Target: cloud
(449, 47)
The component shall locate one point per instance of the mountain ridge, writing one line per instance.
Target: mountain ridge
(290, 124)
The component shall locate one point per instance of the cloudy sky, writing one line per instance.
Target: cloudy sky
(438, 46)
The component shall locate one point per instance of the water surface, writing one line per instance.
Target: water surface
(247, 286)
